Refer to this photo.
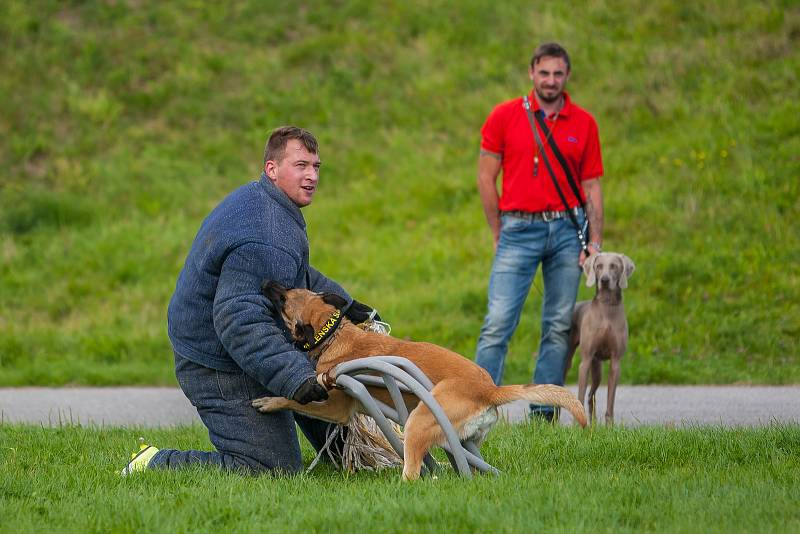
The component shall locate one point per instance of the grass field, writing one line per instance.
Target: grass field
(555, 479)
(124, 123)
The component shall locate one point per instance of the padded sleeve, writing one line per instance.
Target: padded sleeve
(246, 324)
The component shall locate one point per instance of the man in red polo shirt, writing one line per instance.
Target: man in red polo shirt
(528, 219)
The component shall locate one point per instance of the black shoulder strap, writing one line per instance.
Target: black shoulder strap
(582, 232)
(560, 157)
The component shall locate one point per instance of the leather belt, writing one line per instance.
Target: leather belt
(545, 216)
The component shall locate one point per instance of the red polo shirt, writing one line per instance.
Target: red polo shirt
(508, 134)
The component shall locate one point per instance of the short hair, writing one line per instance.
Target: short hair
(550, 50)
(275, 149)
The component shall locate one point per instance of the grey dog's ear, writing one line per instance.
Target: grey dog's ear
(588, 270)
(628, 267)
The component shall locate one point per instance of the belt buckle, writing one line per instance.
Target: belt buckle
(549, 216)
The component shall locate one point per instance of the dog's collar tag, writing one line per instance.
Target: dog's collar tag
(325, 332)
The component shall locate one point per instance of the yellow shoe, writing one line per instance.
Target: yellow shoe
(140, 460)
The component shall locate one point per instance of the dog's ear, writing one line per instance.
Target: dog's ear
(303, 332)
(588, 270)
(628, 268)
(275, 292)
(334, 300)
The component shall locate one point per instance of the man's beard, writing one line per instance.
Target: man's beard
(549, 99)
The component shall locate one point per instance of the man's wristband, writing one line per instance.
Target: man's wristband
(596, 246)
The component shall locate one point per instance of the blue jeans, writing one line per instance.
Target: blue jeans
(522, 246)
(245, 439)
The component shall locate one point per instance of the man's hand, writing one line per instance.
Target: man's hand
(358, 312)
(593, 249)
(310, 391)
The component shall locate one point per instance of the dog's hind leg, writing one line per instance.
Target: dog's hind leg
(574, 341)
(574, 337)
(422, 430)
(420, 433)
(583, 375)
(613, 379)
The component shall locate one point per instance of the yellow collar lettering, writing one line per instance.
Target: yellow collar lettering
(327, 329)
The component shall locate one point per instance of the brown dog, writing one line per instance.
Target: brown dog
(465, 391)
(600, 328)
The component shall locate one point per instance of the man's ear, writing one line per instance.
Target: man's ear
(334, 300)
(269, 168)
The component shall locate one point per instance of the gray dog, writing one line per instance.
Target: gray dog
(599, 326)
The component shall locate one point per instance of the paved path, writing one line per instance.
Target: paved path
(636, 405)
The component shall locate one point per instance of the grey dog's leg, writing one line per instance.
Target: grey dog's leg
(596, 375)
(613, 378)
(583, 375)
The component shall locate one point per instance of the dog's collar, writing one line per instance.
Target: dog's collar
(325, 332)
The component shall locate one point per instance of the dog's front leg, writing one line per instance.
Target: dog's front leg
(583, 376)
(337, 409)
(273, 404)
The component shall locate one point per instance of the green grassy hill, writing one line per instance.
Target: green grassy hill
(124, 123)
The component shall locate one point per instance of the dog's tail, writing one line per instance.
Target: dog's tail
(542, 394)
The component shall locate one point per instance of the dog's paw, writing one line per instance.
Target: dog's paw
(269, 404)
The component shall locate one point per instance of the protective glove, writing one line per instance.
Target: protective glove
(310, 391)
(358, 312)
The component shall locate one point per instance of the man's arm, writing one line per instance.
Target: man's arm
(250, 333)
(489, 165)
(594, 212)
(320, 283)
(356, 311)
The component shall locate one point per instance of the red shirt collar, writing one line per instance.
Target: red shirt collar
(565, 109)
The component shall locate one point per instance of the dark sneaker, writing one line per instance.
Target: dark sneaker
(543, 415)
